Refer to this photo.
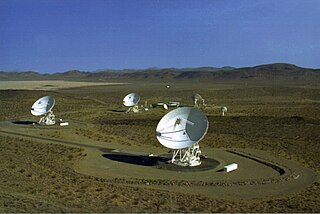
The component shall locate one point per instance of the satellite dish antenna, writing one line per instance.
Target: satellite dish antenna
(131, 100)
(180, 130)
(198, 101)
(223, 110)
(165, 106)
(43, 107)
(173, 104)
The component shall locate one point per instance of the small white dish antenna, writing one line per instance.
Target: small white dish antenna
(198, 101)
(173, 104)
(181, 129)
(165, 106)
(132, 100)
(43, 107)
(169, 104)
(223, 110)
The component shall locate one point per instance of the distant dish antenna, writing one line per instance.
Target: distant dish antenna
(173, 104)
(223, 110)
(43, 107)
(181, 130)
(131, 100)
(198, 101)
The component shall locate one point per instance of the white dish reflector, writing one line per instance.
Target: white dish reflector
(42, 106)
(182, 128)
(165, 106)
(131, 99)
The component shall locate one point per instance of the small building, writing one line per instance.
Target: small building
(230, 167)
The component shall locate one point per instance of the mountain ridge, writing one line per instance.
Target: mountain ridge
(261, 72)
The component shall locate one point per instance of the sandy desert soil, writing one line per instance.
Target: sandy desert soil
(45, 176)
(47, 84)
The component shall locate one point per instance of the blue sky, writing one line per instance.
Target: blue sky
(60, 35)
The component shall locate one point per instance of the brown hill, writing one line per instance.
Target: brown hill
(281, 71)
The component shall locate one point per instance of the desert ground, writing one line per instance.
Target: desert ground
(101, 163)
(48, 85)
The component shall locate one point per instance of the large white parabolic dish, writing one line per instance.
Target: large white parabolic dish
(131, 99)
(182, 128)
(42, 106)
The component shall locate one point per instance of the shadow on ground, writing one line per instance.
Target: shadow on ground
(143, 160)
(115, 110)
(25, 122)
(161, 162)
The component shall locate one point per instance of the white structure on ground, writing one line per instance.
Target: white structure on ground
(230, 167)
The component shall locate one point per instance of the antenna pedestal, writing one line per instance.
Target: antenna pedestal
(199, 103)
(187, 156)
(134, 109)
(47, 119)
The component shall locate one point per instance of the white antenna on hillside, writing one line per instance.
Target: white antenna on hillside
(223, 110)
(43, 107)
(131, 100)
(165, 106)
(198, 101)
(181, 129)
